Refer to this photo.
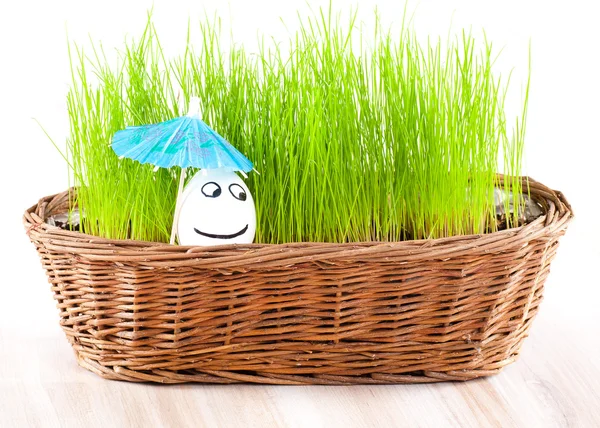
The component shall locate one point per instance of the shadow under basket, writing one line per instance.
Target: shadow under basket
(309, 313)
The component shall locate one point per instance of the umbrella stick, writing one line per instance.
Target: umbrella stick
(177, 205)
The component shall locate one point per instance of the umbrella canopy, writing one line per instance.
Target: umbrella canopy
(185, 141)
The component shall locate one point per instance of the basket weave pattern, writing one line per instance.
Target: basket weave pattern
(312, 313)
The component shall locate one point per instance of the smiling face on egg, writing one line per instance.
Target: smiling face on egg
(216, 209)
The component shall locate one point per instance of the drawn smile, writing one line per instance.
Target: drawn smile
(215, 236)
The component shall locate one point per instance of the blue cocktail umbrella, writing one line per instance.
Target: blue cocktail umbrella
(185, 142)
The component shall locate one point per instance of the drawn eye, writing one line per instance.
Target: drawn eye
(237, 191)
(211, 190)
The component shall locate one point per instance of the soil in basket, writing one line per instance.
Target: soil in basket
(528, 213)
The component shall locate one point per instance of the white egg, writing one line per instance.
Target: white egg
(216, 208)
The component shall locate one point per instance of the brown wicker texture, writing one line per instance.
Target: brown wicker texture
(311, 313)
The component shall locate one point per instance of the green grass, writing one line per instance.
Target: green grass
(400, 140)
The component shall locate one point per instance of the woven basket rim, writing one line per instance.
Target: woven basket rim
(557, 212)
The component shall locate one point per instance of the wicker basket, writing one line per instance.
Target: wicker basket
(310, 313)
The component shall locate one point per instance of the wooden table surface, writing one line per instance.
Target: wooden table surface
(555, 383)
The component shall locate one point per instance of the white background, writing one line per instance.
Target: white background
(562, 131)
